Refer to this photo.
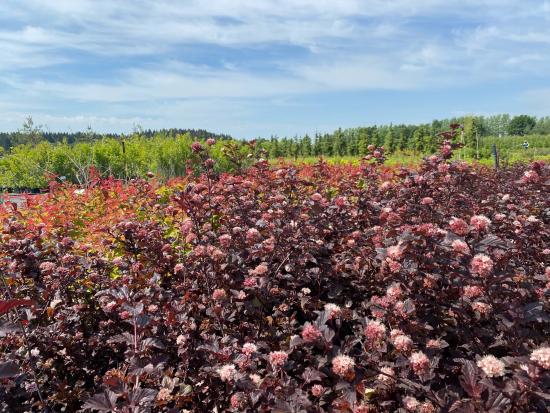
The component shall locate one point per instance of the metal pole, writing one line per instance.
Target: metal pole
(477, 146)
(461, 154)
(495, 155)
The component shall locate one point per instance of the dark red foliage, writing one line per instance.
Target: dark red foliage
(7, 305)
(312, 289)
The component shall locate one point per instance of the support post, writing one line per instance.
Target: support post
(495, 155)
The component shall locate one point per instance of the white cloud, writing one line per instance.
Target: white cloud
(254, 49)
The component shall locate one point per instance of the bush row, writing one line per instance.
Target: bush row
(313, 289)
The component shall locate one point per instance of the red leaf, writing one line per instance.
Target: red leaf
(7, 305)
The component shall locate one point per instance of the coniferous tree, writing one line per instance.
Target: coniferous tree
(363, 142)
(470, 135)
(337, 143)
(376, 139)
(306, 146)
(401, 141)
(327, 145)
(418, 139)
(274, 150)
(317, 147)
(29, 133)
(389, 141)
(351, 139)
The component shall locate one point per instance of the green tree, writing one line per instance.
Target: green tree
(521, 125)
(338, 144)
(418, 140)
(351, 142)
(326, 145)
(376, 138)
(401, 141)
(389, 141)
(29, 133)
(469, 132)
(88, 135)
(306, 146)
(363, 142)
(317, 146)
(543, 126)
(274, 150)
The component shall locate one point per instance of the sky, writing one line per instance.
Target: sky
(259, 68)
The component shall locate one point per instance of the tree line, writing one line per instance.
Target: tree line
(38, 156)
(422, 138)
(30, 133)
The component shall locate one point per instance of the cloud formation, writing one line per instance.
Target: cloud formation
(65, 61)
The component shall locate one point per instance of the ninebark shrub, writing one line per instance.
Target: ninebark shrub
(312, 289)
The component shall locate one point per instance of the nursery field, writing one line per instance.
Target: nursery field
(282, 288)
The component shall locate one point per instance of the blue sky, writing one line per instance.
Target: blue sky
(255, 67)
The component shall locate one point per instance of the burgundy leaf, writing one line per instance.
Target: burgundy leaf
(103, 402)
(8, 369)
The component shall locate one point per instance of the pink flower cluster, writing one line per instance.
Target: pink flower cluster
(342, 365)
(316, 197)
(237, 401)
(259, 270)
(472, 291)
(253, 235)
(530, 176)
(482, 308)
(460, 247)
(333, 310)
(48, 267)
(393, 266)
(541, 356)
(420, 363)
(481, 265)
(480, 222)
(164, 394)
(402, 342)
(491, 366)
(278, 358)
(196, 147)
(227, 372)
(317, 390)
(219, 294)
(250, 282)
(459, 226)
(394, 292)
(365, 408)
(375, 331)
(434, 344)
(410, 403)
(311, 333)
(426, 407)
(225, 240)
(395, 252)
(249, 349)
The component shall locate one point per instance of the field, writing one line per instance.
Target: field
(282, 288)
(31, 166)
